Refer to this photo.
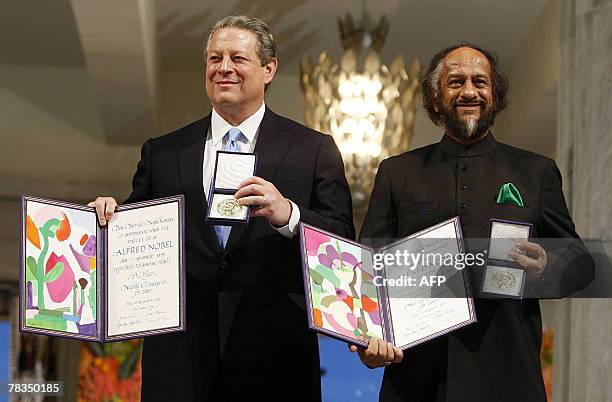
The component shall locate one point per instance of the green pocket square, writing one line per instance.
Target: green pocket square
(509, 194)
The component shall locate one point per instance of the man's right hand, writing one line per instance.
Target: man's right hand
(105, 208)
(379, 353)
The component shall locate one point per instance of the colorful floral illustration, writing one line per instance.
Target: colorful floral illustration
(314, 241)
(60, 268)
(344, 297)
(59, 282)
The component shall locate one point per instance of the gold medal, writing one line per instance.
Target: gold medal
(229, 207)
(503, 280)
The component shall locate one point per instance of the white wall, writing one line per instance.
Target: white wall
(530, 120)
(53, 146)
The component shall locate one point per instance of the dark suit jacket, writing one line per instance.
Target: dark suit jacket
(496, 359)
(246, 323)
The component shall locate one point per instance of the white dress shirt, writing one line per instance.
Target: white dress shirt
(215, 141)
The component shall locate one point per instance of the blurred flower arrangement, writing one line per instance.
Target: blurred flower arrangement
(546, 360)
(110, 372)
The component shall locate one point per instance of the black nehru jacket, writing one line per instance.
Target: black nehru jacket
(496, 359)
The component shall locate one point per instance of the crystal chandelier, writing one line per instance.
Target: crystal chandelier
(366, 106)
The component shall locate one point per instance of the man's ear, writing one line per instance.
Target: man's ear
(436, 107)
(270, 70)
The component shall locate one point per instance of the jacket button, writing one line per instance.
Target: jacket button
(463, 205)
(223, 265)
(465, 187)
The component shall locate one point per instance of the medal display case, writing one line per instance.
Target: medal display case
(504, 277)
(231, 169)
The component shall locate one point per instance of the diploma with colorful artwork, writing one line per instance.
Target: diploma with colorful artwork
(355, 292)
(102, 283)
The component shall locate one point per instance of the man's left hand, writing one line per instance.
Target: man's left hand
(530, 256)
(266, 200)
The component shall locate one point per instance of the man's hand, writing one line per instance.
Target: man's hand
(105, 208)
(530, 256)
(266, 200)
(379, 353)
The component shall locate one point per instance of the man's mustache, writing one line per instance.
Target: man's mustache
(455, 103)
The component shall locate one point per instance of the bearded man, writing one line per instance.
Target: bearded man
(497, 358)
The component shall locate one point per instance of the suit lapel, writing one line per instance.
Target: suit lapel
(272, 145)
(191, 162)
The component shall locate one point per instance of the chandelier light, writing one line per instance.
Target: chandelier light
(366, 106)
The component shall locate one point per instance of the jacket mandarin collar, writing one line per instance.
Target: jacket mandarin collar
(484, 146)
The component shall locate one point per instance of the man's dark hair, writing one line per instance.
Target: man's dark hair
(431, 81)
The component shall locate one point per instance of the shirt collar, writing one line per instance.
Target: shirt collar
(219, 127)
(483, 146)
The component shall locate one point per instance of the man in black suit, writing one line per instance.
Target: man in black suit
(496, 359)
(247, 336)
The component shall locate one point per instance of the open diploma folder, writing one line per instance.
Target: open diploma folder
(80, 280)
(348, 299)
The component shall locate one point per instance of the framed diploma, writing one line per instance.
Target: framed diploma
(503, 277)
(231, 169)
(80, 280)
(354, 292)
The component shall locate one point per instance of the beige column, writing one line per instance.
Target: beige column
(583, 327)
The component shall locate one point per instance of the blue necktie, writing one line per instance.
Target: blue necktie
(233, 136)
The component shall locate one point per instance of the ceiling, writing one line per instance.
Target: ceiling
(418, 27)
(39, 32)
(35, 32)
(128, 46)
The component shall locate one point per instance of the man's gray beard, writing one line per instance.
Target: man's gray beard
(470, 128)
